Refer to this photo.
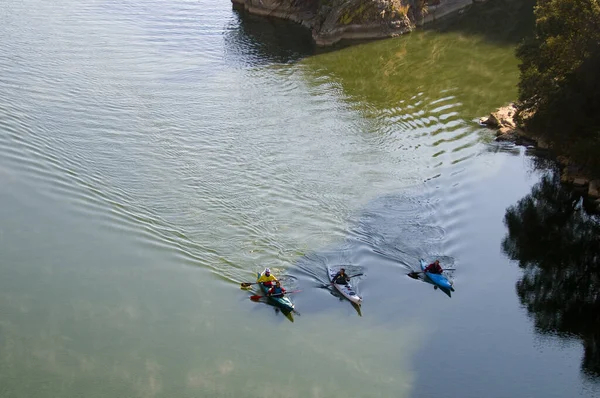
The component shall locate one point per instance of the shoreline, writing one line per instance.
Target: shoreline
(335, 22)
(571, 174)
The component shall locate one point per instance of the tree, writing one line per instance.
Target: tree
(560, 82)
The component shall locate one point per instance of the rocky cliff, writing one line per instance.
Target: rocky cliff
(334, 20)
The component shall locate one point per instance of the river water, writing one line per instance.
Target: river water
(156, 154)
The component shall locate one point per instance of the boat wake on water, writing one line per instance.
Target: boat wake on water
(385, 242)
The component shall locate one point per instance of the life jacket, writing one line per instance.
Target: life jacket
(267, 280)
(276, 291)
(434, 268)
(340, 279)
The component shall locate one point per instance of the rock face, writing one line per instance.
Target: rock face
(301, 11)
(503, 117)
(594, 189)
(334, 20)
(437, 9)
(504, 120)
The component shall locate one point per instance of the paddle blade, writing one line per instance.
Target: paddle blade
(245, 284)
(256, 298)
(414, 275)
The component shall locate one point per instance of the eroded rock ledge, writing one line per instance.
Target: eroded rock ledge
(333, 20)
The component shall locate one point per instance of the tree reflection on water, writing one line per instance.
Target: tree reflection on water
(557, 245)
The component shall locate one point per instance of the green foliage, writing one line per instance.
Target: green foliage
(560, 77)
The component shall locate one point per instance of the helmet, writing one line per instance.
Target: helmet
(267, 271)
(342, 270)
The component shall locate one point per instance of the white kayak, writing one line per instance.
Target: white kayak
(346, 290)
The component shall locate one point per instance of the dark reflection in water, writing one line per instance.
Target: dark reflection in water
(501, 21)
(286, 313)
(557, 245)
(260, 40)
(435, 287)
(337, 295)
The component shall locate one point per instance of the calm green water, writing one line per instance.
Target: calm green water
(153, 155)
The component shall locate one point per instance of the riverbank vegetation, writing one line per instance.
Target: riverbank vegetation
(559, 89)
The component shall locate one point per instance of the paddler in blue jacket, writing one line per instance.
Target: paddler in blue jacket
(276, 291)
(266, 278)
(341, 278)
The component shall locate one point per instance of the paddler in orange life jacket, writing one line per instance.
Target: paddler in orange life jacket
(434, 268)
(276, 291)
(341, 278)
(266, 278)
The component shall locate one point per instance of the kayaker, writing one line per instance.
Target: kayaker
(434, 268)
(266, 278)
(276, 291)
(341, 278)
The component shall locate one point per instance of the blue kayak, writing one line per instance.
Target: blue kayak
(281, 302)
(437, 279)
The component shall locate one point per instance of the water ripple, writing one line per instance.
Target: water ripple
(201, 133)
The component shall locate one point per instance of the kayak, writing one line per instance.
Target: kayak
(439, 280)
(346, 290)
(282, 302)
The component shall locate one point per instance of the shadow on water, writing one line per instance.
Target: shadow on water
(444, 290)
(259, 40)
(286, 313)
(499, 21)
(337, 295)
(557, 244)
(357, 308)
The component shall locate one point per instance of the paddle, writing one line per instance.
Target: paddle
(248, 284)
(352, 276)
(258, 297)
(245, 285)
(420, 272)
(331, 283)
(415, 274)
